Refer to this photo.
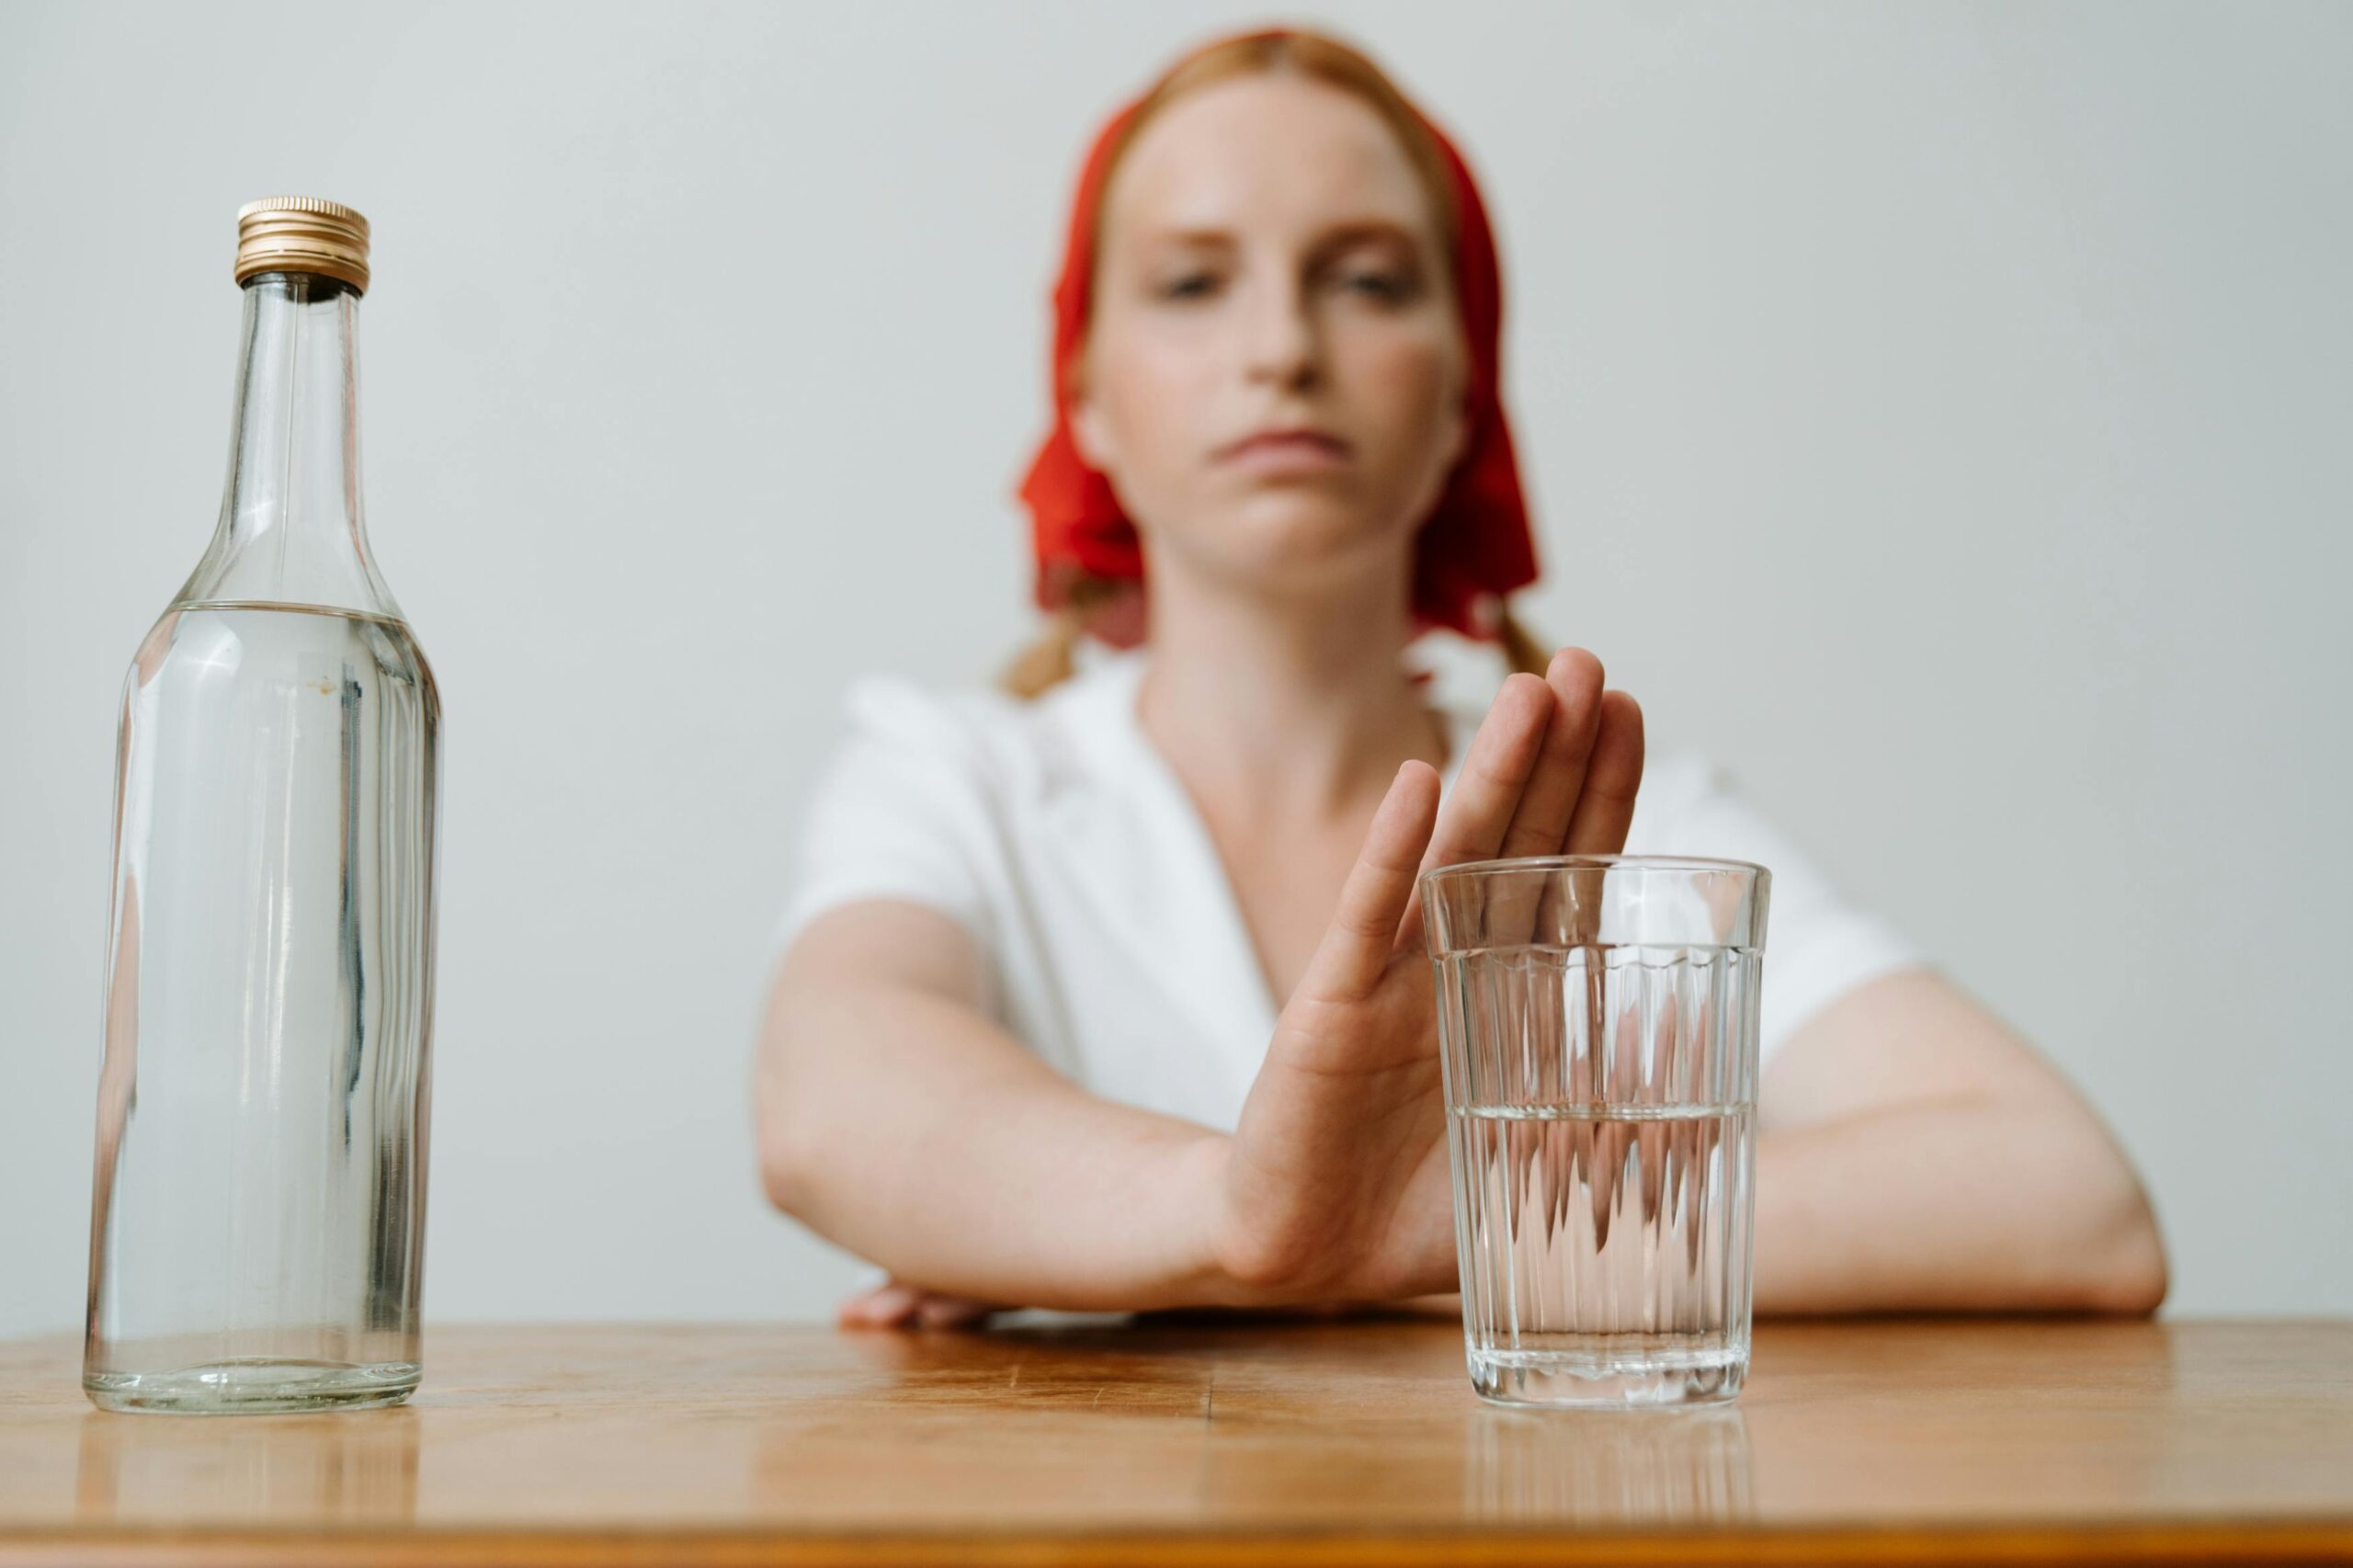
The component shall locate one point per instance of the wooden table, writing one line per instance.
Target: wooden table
(1224, 1442)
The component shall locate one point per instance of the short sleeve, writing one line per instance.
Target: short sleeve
(900, 811)
(1817, 945)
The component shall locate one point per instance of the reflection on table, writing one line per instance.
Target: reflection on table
(358, 1468)
(1604, 1467)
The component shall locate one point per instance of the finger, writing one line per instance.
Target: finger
(1363, 934)
(1486, 793)
(1541, 825)
(1613, 777)
(885, 1306)
(1495, 772)
(950, 1312)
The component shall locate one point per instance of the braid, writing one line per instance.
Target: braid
(1053, 659)
(1050, 660)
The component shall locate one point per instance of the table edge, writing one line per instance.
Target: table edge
(2317, 1539)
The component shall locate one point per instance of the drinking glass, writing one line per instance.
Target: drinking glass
(1597, 1029)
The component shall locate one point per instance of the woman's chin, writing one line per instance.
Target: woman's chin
(1299, 539)
(1305, 521)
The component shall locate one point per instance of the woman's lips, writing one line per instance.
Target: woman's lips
(1286, 451)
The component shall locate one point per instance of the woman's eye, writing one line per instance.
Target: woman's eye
(1383, 286)
(1189, 286)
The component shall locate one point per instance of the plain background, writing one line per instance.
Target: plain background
(1938, 413)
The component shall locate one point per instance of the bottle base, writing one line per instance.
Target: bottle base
(253, 1386)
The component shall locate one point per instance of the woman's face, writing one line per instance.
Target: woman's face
(1273, 375)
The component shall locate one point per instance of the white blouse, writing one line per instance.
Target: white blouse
(1059, 837)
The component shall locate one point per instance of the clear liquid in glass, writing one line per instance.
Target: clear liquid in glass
(259, 1222)
(1604, 1252)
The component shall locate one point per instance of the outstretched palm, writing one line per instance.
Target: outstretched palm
(1337, 1183)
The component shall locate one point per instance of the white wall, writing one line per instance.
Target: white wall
(1939, 413)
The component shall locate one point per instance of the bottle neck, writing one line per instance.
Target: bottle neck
(292, 531)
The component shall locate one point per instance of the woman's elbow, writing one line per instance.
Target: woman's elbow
(2130, 1274)
(787, 1138)
(787, 1165)
(2084, 1232)
(2113, 1255)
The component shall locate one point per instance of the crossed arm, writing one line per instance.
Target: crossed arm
(1913, 1155)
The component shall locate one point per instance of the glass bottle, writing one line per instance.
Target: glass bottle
(258, 1220)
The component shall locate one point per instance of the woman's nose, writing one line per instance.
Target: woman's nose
(1283, 347)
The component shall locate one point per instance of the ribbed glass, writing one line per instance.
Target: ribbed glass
(1597, 1029)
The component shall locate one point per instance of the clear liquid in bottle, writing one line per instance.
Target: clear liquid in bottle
(257, 1222)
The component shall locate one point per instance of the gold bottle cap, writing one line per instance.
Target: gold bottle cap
(301, 233)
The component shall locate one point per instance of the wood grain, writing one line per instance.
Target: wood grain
(1176, 1442)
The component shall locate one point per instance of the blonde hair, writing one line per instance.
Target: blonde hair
(1051, 657)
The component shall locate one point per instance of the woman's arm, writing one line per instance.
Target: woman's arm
(897, 1121)
(1915, 1154)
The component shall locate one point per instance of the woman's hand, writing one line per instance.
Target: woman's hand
(1335, 1183)
(899, 1305)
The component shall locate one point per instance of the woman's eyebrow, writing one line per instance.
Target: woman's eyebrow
(1197, 239)
(1369, 231)
(1329, 241)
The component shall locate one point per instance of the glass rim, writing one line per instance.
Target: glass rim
(1510, 863)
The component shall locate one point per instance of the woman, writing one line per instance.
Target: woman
(1109, 994)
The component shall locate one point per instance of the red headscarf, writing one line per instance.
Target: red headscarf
(1475, 546)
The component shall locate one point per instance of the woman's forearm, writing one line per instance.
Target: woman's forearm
(977, 1171)
(1965, 1204)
